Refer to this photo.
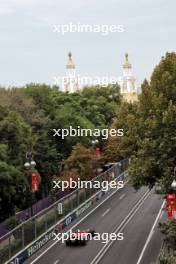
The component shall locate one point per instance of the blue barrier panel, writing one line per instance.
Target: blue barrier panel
(20, 259)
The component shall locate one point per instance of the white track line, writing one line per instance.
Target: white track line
(57, 261)
(150, 234)
(122, 196)
(106, 212)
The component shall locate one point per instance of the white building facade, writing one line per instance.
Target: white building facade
(127, 82)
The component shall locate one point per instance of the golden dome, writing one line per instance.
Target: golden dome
(126, 65)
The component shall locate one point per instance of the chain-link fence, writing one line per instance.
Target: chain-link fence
(30, 230)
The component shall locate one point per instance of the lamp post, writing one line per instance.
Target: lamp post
(173, 185)
(97, 149)
(95, 143)
(30, 165)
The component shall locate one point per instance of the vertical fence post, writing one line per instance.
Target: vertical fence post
(85, 196)
(78, 198)
(22, 235)
(46, 222)
(35, 226)
(55, 214)
(71, 203)
(9, 247)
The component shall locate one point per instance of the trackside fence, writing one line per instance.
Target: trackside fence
(38, 230)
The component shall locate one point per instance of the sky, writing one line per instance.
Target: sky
(30, 50)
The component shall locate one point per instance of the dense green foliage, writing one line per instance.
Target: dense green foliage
(168, 255)
(28, 116)
(150, 129)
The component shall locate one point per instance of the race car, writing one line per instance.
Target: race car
(79, 237)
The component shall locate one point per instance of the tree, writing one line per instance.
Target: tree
(123, 147)
(158, 144)
(81, 161)
(150, 128)
(47, 159)
(16, 135)
(12, 180)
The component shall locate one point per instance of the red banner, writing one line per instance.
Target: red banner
(171, 206)
(97, 153)
(34, 182)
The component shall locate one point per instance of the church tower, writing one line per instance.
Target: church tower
(127, 82)
(71, 79)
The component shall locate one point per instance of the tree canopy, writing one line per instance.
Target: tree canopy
(28, 116)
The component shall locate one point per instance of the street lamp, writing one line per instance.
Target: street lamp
(29, 165)
(173, 185)
(33, 163)
(95, 143)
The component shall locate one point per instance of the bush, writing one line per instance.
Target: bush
(11, 223)
(167, 259)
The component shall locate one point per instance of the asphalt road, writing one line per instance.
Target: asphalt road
(133, 212)
(136, 234)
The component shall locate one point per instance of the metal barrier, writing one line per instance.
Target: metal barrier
(33, 228)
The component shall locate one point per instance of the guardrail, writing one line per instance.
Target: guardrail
(32, 234)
